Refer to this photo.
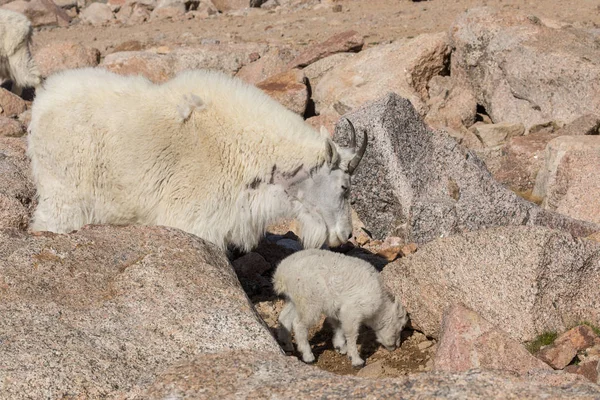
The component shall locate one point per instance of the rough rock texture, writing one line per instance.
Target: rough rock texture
(58, 56)
(133, 13)
(588, 124)
(273, 62)
(342, 42)
(255, 375)
(228, 5)
(497, 134)
(562, 351)
(11, 105)
(16, 187)
(588, 369)
(315, 71)
(404, 67)
(326, 119)
(450, 104)
(523, 71)
(39, 12)
(161, 66)
(527, 280)
(569, 182)
(288, 88)
(97, 14)
(419, 184)
(102, 311)
(468, 341)
(10, 127)
(522, 159)
(168, 9)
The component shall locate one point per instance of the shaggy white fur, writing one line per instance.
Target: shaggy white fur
(347, 290)
(204, 152)
(16, 62)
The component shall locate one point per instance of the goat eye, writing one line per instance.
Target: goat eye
(344, 188)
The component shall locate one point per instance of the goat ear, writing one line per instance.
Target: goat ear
(188, 104)
(332, 155)
(287, 180)
(324, 132)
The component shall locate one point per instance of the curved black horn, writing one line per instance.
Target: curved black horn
(352, 135)
(360, 153)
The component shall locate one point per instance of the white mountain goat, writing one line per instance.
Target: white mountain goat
(204, 152)
(16, 62)
(347, 290)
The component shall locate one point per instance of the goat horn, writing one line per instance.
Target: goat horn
(359, 154)
(352, 134)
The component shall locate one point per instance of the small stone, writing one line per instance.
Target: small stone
(496, 134)
(288, 88)
(373, 370)
(340, 43)
(545, 127)
(588, 369)
(560, 353)
(425, 345)
(58, 56)
(251, 264)
(290, 244)
(588, 124)
(11, 104)
(10, 127)
(97, 14)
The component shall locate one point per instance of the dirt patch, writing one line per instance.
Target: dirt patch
(414, 355)
(378, 20)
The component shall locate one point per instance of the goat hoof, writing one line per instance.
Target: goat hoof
(309, 360)
(358, 365)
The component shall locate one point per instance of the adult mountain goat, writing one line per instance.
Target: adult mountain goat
(16, 62)
(204, 153)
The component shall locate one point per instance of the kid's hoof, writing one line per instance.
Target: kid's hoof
(358, 364)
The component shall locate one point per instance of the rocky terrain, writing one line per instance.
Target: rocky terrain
(477, 199)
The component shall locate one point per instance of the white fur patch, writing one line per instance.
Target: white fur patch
(190, 103)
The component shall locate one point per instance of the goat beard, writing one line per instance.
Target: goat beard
(313, 231)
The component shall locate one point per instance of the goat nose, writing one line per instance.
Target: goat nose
(350, 236)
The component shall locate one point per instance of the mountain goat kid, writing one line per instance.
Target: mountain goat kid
(16, 62)
(347, 290)
(203, 152)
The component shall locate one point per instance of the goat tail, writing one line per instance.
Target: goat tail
(279, 286)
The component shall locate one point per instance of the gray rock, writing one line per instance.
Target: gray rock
(405, 66)
(450, 104)
(523, 71)
(255, 375)
(497, 134)
(524, 280)
(100, 312)
(159, 67)
(569, 182)
(588, 124)
(17, 190)
(420, 185)
(468, 341)
(97, 14)
(57, 56)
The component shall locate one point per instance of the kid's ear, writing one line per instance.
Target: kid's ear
(324, 132)
(188, 104)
